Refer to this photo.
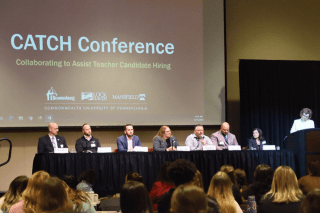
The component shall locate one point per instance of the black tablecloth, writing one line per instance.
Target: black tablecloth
(112, 167)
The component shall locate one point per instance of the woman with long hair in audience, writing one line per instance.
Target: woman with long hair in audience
(14, 193)
(30, 194)
(312, 180)
(285, 195)
(80, 199)
(311, 203)
(262, 180)
(53, 197)
(162, 185)
(134, 198)
(221, 189)
(232, 175)
(189, 199)
(134, 176)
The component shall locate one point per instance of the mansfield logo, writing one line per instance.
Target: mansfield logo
(53, 96)
(94, 96)
(141, 97)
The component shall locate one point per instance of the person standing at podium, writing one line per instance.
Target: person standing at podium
(304, 122)
(47, 143)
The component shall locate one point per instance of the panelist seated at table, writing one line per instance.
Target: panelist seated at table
(164, 141)
(223, 138)
(197, 140)
(257, 141)
(304, 122)
(47, 143)
(128, 141)
(87, 143)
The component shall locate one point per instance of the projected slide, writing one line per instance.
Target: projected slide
(104, 63)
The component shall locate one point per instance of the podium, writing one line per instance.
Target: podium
(305, 145)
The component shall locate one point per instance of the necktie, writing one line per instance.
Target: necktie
(226, 139)
(53, 142)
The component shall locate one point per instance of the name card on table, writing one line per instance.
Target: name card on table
(104, 150)
(209, 147)
(61, 150)
(140, 149)
(183, 148)
(234, 148)
(269, 147)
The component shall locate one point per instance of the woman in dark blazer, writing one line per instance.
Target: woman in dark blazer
(257, 141)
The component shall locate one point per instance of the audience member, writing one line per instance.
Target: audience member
(311, 203)
(30, 194)
(80, 199)
(14, 193)
(312, 180)
(180, 172)
(87, 179)
(232, 175)
(134, 176)
(198, 181)
(162, 185)
(164, 141)
(221, 189)
(53, 197)
(134, 198)
(189, 199)
(262, 180)
(70, 180)
(285, 195)
(242, 180)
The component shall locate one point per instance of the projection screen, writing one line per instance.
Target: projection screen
(112, 62)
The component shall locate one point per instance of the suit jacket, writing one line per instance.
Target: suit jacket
(160, 145)
(123, 143)
(252, 143)
(45, 144)
(83, 145)
(218, 135)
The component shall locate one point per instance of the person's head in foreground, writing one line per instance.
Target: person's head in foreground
(284, 187)
(134, 198)
(134, 176)
(311, 203)
(189, 199)
(182, 171)
(14, 193)
(221, 189)
(53, 197)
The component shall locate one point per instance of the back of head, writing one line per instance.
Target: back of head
(284, 187)
(14, 194)
(134, 198)
(241, 178)
(189, 199)
(163, 172)
(181, 171)
(31, 193)
(311, 203)
(89, 176)
(263, 177)
(230, 171)
(314, 168)
(78, 197)
(198, 181)
(221, 189)
(70, 180)
(134, 176)
(53, 197)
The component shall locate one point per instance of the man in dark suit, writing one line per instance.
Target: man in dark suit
(128, 141)
(87, 143)
(47, 143)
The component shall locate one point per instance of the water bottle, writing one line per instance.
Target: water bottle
(73, 151)
(252, 204)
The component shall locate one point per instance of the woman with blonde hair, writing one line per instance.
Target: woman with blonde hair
(164, 141)
(30, 194)
(232, 175)
(285, 195)
(14, 193)
(53, 197)
(221, 189)
(189, 199)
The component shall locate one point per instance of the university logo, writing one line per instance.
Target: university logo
(94, 96)
(53, 96)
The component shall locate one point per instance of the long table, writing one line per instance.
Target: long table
(113, 167)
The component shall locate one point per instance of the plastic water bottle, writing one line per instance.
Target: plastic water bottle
(252, 204)
(73, 151)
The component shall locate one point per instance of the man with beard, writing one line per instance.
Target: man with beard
(87, 143)
(128, 141)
